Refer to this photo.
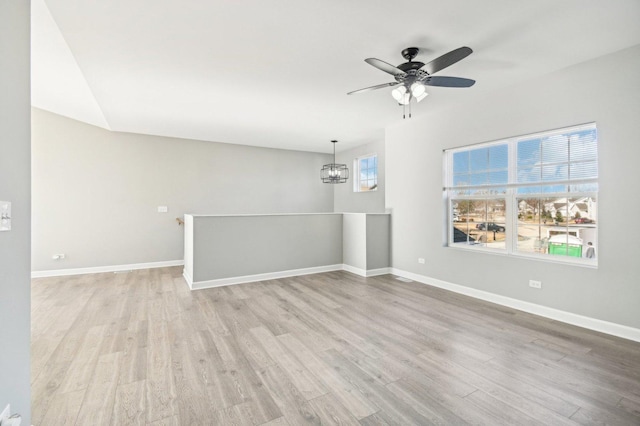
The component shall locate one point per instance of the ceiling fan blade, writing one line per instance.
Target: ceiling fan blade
(379, 86)
(447, 60)
(436, 80)
(384, 66)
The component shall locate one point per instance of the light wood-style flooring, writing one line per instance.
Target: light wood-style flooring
(140, 348)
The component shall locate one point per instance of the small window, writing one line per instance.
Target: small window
(366, 173)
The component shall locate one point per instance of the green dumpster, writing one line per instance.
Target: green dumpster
(565, 245)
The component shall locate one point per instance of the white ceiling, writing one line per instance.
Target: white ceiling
(276, 73)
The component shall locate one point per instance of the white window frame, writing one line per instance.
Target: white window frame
(356, 173)
(511, 197)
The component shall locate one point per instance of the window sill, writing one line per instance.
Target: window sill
(580, 262)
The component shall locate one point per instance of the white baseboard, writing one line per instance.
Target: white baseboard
(100, 269)
(215, 283)
(199, 285)
(366, 272)
(379, 271)
(188, 278)
(611, 328)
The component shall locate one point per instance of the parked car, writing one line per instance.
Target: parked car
(491, 226)
(583, 220)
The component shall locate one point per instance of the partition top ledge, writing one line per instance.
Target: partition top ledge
(260, 214)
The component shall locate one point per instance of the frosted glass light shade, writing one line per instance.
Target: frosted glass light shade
(421, 97)
(398, 93)
(417, 89)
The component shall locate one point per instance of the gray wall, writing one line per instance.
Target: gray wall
(235, 246)
(378, 241)
(345, 200)
(580, 94)
(96, 193)
(366, 241)
(15, 287)
(354, 240)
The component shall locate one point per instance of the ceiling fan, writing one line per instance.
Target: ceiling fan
(412, 77)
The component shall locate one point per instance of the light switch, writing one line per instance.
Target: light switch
(5, 216)
(163, 209)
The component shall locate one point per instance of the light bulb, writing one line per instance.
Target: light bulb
(417, 89)
(398, 93)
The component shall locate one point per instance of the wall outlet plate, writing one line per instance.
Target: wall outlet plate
(535, 284)
(421, 260)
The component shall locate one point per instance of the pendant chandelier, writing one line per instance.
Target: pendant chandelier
(334, 173)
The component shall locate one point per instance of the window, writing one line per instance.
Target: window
(533, 195)
(366, 172)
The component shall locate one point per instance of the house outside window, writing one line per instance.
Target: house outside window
(366, 173)
(533, 196)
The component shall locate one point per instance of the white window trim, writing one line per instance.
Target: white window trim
(356, 173)
(510, 197)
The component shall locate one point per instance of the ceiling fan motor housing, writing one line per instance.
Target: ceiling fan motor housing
(409, 53)
(411, 75)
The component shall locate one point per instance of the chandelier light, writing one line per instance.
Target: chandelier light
(332, 172)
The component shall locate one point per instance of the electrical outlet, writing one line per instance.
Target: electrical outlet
(163, 209)
(535, 284)
(421, 261)
(58, 256)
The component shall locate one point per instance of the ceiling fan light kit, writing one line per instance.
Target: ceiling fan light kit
(332, 172)
(398, 93)
(412, 77)
(418, 89)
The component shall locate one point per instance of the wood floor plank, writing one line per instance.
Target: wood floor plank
(236, 383)
(307, 384)
(129, 404)
(64, 409)
(193, 404)
(499, 412)
(390, 408)
(271, 315)
(100, 395)
(331, 412)
(140, 348)
(84, 363)
(167, 421)
(433, 404)
(133, 362)
(45, 388)
(291, 402)
(280, 421)
(350, 395)
(631, 407)
(160, 382)
(495, 382)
